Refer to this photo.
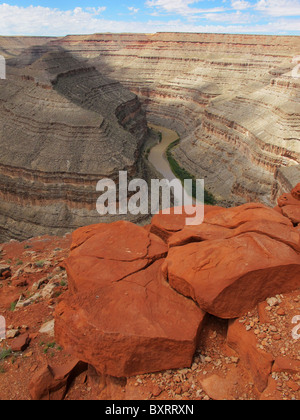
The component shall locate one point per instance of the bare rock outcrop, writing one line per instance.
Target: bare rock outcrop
(119, 297)
(257, 249)
(143, 294)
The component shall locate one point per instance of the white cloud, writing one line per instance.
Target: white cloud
(54, 22)
(181, 7)
(233, 18)
(277, 8)
(240, 4)
(93, 10)
(38, 20)
(133, 10)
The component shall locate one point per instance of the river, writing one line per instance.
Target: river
(157, 156)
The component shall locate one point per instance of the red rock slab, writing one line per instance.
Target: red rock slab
(86, 273)
(81, 235)
(204, 232)
(277, 231)
(296, 192)
(110, 254)
(134, 326)
(257, 361)
(20, 343)
(234, 217)
(165, 225)
(208, 231)
(50, 383)
(286, 364)
(119, 241)
(292, 212)
(229, 277)
(287, 199)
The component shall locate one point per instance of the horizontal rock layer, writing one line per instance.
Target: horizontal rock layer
(63, 127)
(232, 98)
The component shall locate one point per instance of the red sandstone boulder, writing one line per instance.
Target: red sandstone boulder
(234, 217)
(228, 277)
(51, 383)
(258, 361)
(256, 257)
(123, 318)
(132, 326)
(20, 343)
(207, 231)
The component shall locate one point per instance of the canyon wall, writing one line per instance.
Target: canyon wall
(73, 110)
(63, 127)
(232, 99)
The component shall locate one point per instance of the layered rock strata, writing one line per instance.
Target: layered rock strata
(63, 127)
(232, 98)
(12, 46)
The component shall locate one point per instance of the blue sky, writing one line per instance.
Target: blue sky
(57, 18)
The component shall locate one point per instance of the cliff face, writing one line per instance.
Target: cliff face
(63, 127)
(232, 98)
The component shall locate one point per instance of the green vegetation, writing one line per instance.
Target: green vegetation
(51, 345)
(183, 174)
(13, 306)
(5, 353)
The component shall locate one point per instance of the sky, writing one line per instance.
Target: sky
(60, 18)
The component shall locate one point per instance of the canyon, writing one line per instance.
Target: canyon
(232, 99)
(75, 110)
